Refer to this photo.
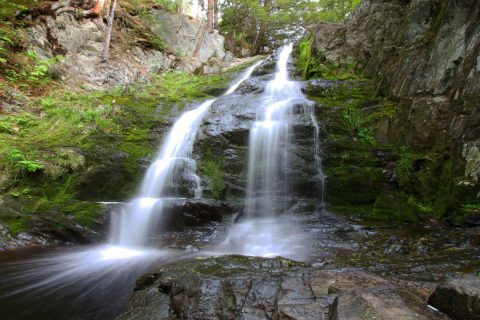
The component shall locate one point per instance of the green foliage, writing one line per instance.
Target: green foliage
(6, 126)
(31, 166)
(257, 25)
(352, 117)
(172, 5)
(18, 225)
(404, 166)
(9, 7)
(305, 56)
(261, 25)
(34, 71)
(18, 160)
(367, 135)
(355, 120)
(312, 65)
(328, 10)
(10, 40)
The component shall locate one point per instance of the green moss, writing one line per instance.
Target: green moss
(211, 166)
(353, 185)
(404, 166)
(18, 225)
(394, 206)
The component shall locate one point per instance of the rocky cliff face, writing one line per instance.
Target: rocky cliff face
(156, 40)
(423, 55)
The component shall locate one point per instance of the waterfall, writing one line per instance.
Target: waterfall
(271, 138)
(267, 231)
(173, 166)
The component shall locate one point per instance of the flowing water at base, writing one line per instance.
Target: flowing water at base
(95, 282)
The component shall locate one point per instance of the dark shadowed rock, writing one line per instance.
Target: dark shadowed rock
(180, 213)
(458, 297)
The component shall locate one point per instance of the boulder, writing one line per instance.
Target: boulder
(379, 303)
(458, 297)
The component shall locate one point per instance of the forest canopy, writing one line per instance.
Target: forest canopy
(256, 25)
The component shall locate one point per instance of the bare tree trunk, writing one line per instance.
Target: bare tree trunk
(108, 36)
(210, 15)
(215, 14)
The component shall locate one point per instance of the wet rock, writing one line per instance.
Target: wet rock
(239, 287)
(424, 55)
(181, 213)
(317, 87)
(458, 297)
(376, 304)
(267, 67)
(225, 134)
(176, 214)
(252, 85)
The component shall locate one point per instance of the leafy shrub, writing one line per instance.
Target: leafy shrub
(367, 135)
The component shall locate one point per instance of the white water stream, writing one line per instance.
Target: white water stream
(265, 232)
(174, 161)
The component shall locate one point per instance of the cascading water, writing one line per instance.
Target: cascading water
(172, 165)
(272, 137)
(270, 140)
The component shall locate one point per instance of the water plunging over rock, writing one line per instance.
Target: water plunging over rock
(271, 142)
(172, 167)
(284, 118)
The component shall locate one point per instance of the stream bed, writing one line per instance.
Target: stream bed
(95, 282)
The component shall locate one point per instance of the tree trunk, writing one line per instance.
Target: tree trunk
(215, 14)
(210, 14)
(108, 36)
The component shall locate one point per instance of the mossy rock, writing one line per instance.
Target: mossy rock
(394, 206)
(354, 185)
(106, 182)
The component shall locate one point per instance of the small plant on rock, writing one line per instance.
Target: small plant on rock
(404, 166)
